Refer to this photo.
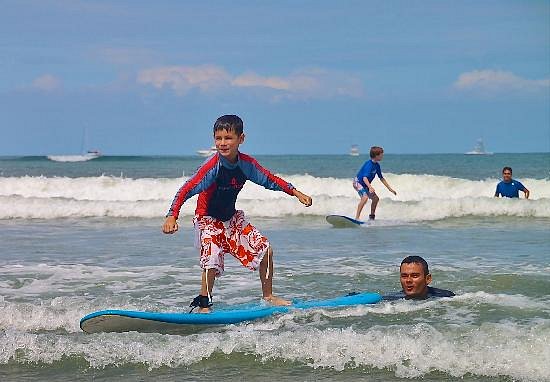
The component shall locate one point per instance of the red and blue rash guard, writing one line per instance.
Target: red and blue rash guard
(218, 182)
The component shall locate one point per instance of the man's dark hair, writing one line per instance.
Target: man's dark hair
(418, 260)
(507, 169)
(229, 123)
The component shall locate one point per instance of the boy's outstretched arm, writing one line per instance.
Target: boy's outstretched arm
(170, 225)
(385, 183)
(303, 198)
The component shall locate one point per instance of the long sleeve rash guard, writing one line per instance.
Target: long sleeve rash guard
(218, 182)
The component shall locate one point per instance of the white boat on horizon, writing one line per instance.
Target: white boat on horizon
(89, 155)
(207, 152)
(479, 149)
(354, 150)
(83, 157)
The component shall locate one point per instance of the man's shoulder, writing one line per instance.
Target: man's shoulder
(437, 292)
(516, 183)
(432, 292)
(394, 296)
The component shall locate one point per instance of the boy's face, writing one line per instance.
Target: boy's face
(227, 143)
(379, 157)
(413, 280)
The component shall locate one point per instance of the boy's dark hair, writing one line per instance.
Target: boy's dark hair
(507, 168)
(417, 260)
(229, 122)
(375, 151)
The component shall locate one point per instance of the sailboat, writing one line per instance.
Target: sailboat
(354, 150)
(85, 156)
(479, 149)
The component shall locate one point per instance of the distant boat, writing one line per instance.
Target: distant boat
(85, 156)
(354, 151)
(91, 154)
(479, 149)
(207, 152)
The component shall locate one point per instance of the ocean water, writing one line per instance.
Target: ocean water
(85, 236)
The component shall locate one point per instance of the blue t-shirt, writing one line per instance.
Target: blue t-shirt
(510, 189)
(369, 170)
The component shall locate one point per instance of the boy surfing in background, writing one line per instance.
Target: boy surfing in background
(363, 182)
(219, 227)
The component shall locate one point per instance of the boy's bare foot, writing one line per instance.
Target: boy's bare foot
(277, 301)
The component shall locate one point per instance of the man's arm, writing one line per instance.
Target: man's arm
(385, 183)
(526, 191)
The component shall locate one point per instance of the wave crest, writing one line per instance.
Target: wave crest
(420, 198)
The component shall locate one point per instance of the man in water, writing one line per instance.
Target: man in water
(509, 187)
(415, 278)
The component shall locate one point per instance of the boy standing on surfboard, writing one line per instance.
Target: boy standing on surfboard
(363, 182)
(219, 227)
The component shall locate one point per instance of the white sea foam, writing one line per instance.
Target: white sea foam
(414, 350)
(420, 198)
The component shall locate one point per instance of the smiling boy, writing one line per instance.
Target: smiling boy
(219, 227)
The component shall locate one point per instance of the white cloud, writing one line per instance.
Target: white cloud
(47, 83)
(254, 80)
(310, 83)
(181, 79)
(495, 81)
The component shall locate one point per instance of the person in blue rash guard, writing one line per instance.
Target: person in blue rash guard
(363, 182)
(509, 187)
(415, 277)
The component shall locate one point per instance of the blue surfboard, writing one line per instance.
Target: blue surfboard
(340, 221)
(128, 320)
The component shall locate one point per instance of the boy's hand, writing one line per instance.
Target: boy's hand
(170, 225)
(393, 192)
(303, 198)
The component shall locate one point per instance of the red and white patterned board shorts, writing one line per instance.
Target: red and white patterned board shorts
(236, 236)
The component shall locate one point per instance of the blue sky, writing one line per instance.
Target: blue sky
(151, 77)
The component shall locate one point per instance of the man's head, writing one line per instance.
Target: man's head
(507, 174)
(376, 153)
(415, 277)
(228, 135)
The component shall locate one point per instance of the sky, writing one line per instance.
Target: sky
(307, 77)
